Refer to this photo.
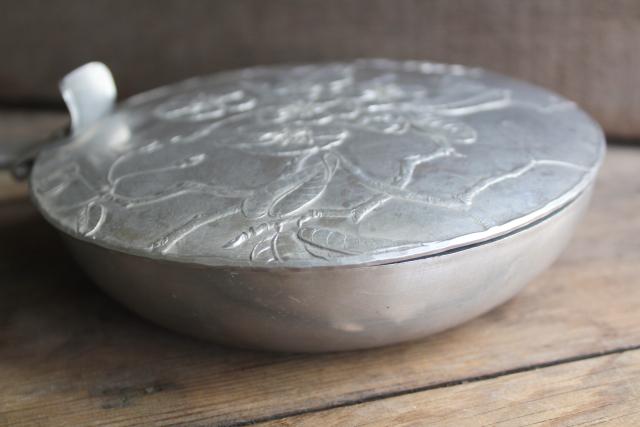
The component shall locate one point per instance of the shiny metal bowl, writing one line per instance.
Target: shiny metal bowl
(327, 308)
(320, 207)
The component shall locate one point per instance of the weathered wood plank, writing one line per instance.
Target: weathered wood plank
(585, 49)
(69, 355)
(604, 390)
(21, 126)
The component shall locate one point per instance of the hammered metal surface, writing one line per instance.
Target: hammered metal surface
(335, 164)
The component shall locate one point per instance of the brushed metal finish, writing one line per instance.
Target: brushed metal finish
(321, 207)
(330, 308)
(369, 162)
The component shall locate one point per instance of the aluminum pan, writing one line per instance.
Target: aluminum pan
(369, 162)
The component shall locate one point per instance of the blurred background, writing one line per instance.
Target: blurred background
(568, 347)
(586, 50)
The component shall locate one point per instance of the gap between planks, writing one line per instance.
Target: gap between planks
(396, 393)
(592, 391)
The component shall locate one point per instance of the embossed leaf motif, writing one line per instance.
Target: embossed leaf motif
(337, 241)
(286, 246)
(205, 106)
(386, 123)
(453, 130)
(290, 192)
(257, 205)
(59, 180)
(290, 141)
(307, 192)
(280, 246)
(91, 218)
(263, 251)
(190, 161)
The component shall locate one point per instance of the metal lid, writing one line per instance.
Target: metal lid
(368, 162)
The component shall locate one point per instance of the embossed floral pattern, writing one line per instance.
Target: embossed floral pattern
(319, 125)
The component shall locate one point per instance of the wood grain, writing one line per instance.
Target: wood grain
(27, 125)
(604, 390)
(17, 127)
(584, 49)
(71, 356)
(22, 127)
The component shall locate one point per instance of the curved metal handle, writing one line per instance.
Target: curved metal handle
(89, 93)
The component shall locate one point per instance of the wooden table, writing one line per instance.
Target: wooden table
(566, 351)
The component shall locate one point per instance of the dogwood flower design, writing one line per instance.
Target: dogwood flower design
(314, 124)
